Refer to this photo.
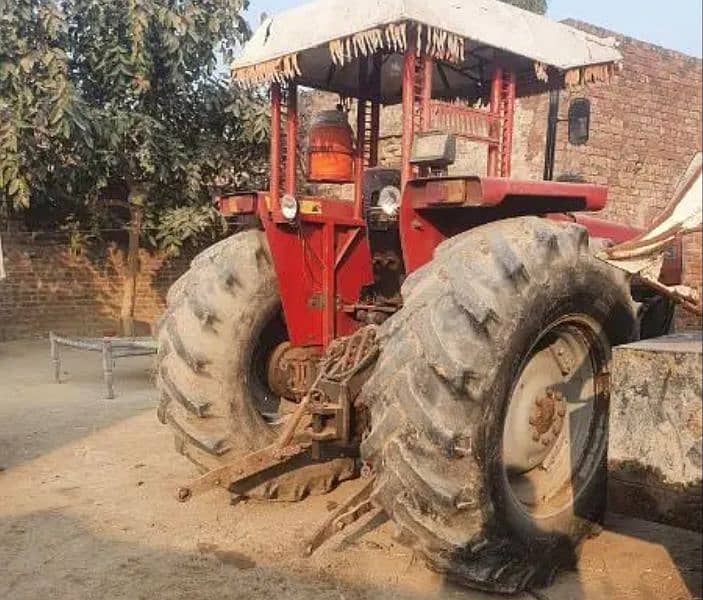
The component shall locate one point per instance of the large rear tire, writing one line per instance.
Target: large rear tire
(223, 320)
(489, 402)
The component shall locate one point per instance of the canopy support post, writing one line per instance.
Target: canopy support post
(426, 94)
(509, 86)
(291, 138)
(359, 157)
(374, 133)
(494, 148)
(406, 170)
(361, 133)
(275, 161)
(375, 126)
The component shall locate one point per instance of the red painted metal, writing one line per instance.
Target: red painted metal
(375, 116)
(419, 236)
(436, 209)
(291, 138)
(600, 228)
(506, 148)
(361, 139)
(426, 92)
(328, 272)
(323, 260)
(321, 263)
(493, 149)
(438, 192)
(471, 123)
(672, 268)
(359, 157)
(374, 133)
(408, 87)
(275, 155)
(237, 204)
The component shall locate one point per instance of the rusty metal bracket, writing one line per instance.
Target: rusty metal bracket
(248, 466)
(351, 510)
(343, 370)
(254, 463)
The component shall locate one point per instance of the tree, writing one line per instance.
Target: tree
(37, 100)
(164, 123)
(536, 6)
(122, 107)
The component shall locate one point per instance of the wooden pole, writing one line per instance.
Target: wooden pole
(137, 200)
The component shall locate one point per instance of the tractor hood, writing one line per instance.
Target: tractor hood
(316, 42)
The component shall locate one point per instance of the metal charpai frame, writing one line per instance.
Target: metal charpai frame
(111, 349)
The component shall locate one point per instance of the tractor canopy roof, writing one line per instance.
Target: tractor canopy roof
(319, 45)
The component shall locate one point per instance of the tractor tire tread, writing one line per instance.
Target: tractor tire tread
(428, 397)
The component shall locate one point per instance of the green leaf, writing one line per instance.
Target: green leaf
(27, 63)
(14, 187)
(101, 92)
(56, 115)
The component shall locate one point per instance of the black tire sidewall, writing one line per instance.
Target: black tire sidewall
(242, 380)
(585, 291)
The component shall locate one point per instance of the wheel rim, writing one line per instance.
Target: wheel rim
(554, 433)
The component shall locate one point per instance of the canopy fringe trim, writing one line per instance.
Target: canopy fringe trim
(441, 44)
(438, 43)
(392, 38)
(278, 70)
(602, 73)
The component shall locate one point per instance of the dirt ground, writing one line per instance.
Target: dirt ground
(88, 510)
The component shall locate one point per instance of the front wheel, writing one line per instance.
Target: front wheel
(489, 403)
(221, 329)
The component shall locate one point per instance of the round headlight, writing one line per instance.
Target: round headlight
(289, 207)
(389, 200)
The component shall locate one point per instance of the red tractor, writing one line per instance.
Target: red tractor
(447, 335)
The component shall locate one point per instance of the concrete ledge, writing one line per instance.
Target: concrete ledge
(656, 424)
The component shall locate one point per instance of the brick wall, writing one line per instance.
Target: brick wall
(49, 289)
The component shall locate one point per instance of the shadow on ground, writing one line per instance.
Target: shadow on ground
(52, 555)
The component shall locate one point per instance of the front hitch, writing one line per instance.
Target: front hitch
(329, 404)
